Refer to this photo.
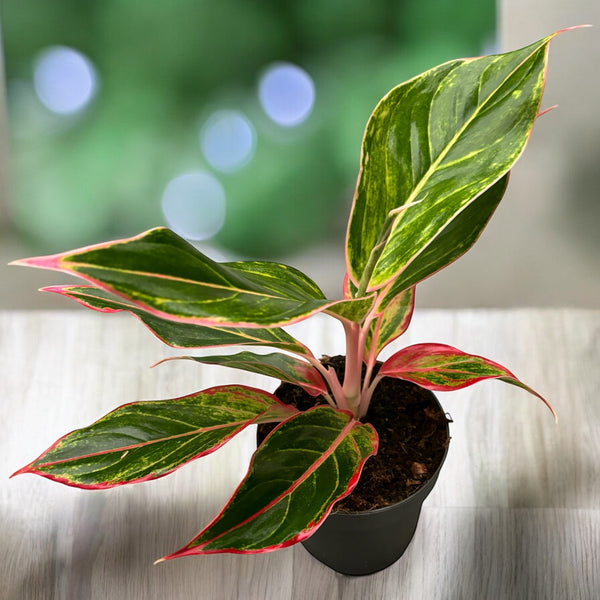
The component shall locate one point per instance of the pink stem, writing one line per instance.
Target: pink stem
(367, 395)
(366, 392)
(352, 374)
(330, 377)
(338, 392)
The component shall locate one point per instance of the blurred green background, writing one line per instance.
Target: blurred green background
(259, 105)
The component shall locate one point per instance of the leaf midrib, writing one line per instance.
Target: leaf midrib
(149, 442)
(435, 164)
(176, 279)
(295, 484)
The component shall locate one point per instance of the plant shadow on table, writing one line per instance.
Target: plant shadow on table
(498, 552)
(46, 578)
(113, 543)
(533, 548)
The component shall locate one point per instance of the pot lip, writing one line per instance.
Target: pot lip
(423, 490)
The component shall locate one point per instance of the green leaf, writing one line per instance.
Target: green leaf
(165, 276)
(150, 439)
(351, 310)
(303, 467)
(280, 366)
(453, 241)
(431, 147)
(442, 368)
(183, 335)
(392, 320)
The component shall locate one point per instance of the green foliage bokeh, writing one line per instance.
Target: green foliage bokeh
(163, 66)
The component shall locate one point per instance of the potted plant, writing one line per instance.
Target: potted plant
(435, 160)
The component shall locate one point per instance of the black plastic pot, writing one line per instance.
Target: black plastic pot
(363, 543)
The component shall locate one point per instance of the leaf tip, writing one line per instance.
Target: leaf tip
(565, 29)
(55, 289)
(69, 291)
(168, 359)
(547, 110)
(553, 412)
(41, 262)
(20, 471)
(548, 405)
(185, 551)
(574, 27)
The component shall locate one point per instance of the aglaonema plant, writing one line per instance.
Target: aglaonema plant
(435, 160)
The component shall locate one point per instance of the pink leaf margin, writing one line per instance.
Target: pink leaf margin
(55, 262)
(65, 290)
(349, 271)
(412, 364)
(189, 550)
(29, 468)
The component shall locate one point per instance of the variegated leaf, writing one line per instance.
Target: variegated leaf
(183, 335)
(431, 147)
(353, 310)
(163, 275)
(280, 366)
(393, 318)
(348, 288)
(303, 467)
(442, 368)
(452, 242)
(150, 439)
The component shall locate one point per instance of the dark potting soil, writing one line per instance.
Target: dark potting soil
(412, 439)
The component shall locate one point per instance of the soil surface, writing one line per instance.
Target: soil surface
(412, 439)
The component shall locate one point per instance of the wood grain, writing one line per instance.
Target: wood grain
(515, 513)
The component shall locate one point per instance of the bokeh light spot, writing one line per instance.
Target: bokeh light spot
(194, 205)
(64, 79)
(227, 140)
(287, 94)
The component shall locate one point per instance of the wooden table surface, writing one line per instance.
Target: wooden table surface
(515, 513)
